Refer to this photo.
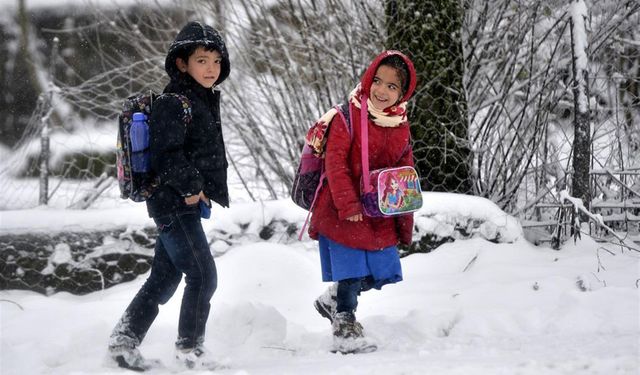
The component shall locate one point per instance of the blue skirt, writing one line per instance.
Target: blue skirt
(341, 262)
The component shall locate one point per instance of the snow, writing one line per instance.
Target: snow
(40, 4)
(468, 307)
(471, 306)
(578, 12)
(445, 211)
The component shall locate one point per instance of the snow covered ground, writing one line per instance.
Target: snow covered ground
(469, 307)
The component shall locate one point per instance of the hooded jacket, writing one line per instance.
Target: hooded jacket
(188, 158)
(340, 196)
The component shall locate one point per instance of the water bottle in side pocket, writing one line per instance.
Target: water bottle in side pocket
(139, 135)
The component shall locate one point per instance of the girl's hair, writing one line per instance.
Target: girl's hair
(186, 52)
(401, 67)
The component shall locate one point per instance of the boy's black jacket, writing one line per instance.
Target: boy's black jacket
(187, 159)
(192, 159)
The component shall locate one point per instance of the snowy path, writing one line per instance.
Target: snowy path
(517, 309)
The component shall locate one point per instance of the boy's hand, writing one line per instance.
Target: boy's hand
(192, 199)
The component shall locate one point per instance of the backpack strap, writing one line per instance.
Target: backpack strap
(345, 115)
(186, 106)
(323, 175)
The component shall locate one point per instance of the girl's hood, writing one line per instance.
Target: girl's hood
(369, 74)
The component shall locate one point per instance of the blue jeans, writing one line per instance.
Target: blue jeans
(181, 248)
(349, 290)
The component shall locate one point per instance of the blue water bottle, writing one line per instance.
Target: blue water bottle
(139, 135)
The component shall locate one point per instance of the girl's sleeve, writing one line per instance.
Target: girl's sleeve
(343, 192)
(404, 223)
(167, 132)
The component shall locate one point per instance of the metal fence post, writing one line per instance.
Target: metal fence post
(45, 151)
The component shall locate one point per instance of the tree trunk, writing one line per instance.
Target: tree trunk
(429, 31)
(582, 129)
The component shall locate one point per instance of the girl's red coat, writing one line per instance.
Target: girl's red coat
(340, 197)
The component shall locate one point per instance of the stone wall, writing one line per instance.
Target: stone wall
(78, 263)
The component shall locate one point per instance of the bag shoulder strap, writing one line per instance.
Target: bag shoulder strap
(364, 146)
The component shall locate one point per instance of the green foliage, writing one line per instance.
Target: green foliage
(429, 32)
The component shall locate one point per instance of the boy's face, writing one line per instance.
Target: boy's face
(203, 66)
(385, 89)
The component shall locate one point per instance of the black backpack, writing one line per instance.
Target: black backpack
(138, 186)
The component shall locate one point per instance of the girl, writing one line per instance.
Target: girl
(356, 251)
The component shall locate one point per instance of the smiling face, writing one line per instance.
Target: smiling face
(386, 87)
(203, 66)
(394, 184)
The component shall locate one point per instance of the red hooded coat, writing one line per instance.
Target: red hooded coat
(340, 196)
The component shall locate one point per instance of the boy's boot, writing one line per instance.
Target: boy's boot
(198, 358)
(348, 336)
(123, 351)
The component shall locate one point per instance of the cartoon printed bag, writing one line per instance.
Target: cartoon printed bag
(387, 191)
(393, 191)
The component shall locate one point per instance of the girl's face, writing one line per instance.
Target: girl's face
(385, 89)
(203, 66)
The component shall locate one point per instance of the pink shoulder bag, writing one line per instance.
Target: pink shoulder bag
(386, 191)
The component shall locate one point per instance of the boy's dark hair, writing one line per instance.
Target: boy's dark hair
(401, 67)
(186, 52)
(193, 35)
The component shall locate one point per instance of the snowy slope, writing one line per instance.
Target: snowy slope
(515, 309)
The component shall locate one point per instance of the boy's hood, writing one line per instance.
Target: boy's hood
(200, 34)
(369, 74)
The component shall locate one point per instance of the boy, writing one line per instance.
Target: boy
(190, 161)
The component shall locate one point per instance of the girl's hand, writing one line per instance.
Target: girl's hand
(357, 217)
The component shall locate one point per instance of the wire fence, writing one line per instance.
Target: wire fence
(493, 113)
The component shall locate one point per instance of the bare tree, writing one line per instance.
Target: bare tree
(521, 99)
(288, 67)
(292, 60)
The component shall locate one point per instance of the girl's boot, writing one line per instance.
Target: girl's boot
(326, 304)
(348, 336)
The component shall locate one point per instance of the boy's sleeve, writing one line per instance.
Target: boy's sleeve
(167, 132)
(339, 174)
